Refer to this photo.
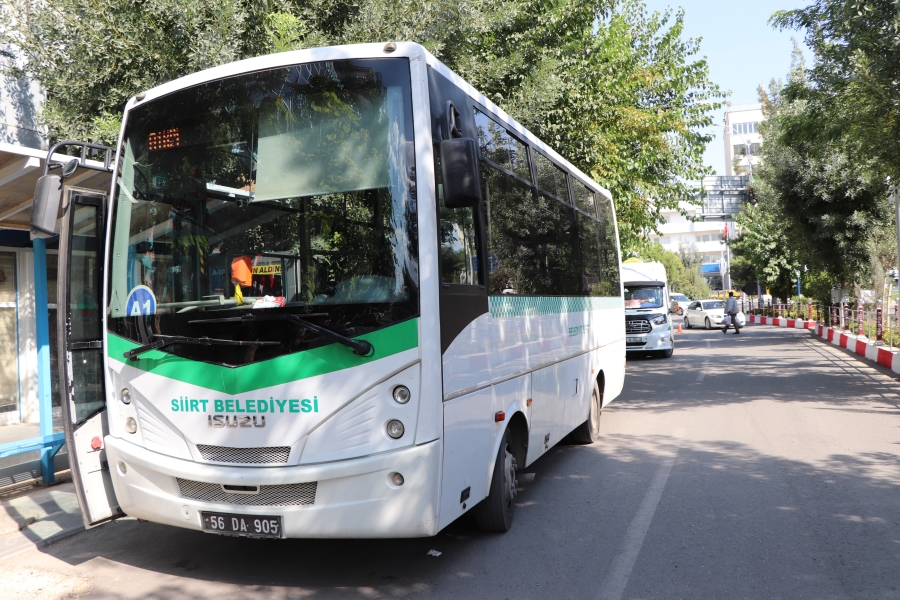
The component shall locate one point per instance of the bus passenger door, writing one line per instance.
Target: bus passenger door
(80, 351)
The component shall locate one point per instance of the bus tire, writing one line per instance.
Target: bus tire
(494, 513)
(589, 431)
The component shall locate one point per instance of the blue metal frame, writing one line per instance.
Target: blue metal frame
(47, 444)
(42, 330)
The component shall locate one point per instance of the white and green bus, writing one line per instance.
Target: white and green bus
(332, 293)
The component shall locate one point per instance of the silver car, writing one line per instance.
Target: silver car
(678, 303)
(705, 313)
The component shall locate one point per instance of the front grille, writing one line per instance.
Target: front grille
(637, 326)
(247, 456)
(291, 494)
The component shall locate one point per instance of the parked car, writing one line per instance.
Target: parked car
(678, 303)
(705, 313)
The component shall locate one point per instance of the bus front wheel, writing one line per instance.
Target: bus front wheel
(495, 512)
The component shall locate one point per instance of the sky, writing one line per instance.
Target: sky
(741, 48)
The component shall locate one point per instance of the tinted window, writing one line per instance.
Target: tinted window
(497, 145)
(609, 250)
(584, 198)
(591, 268)
(550, 178)
(458, 245)
(713, 305)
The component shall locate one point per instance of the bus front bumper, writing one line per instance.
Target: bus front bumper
(352, 498)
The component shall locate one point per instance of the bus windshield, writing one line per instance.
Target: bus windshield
(289, 191)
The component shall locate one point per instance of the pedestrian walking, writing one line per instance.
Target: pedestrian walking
(731, 309)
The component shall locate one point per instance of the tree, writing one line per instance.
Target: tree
(613, 88)
(683, 278)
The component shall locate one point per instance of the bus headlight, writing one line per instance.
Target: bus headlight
(401, 394)
(395, 429)
(130, 425)
(125, 396)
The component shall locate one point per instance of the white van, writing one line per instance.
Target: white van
(648, 327)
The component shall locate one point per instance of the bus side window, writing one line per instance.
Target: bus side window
(457, 238)
(609, 250)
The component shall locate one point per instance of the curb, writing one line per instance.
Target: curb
(887, 357)
(858, 344)
(782, 322)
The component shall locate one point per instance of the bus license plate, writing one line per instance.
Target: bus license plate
(635, 339)
(244, 525)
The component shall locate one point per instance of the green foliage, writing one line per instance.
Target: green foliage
(612, 87)
(830, 141)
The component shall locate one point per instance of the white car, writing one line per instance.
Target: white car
(678, 303)
(705, 313)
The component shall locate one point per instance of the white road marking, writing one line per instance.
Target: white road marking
(702, 372)
(613, 586)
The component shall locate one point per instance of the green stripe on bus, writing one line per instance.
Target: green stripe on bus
(284, 369)
(532, 306)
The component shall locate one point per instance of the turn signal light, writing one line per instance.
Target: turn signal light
(395, 429)
(499, 416)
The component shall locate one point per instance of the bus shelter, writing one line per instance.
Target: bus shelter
(30, 415)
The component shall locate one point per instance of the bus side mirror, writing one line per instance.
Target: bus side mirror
(459, 170)
(47, 196)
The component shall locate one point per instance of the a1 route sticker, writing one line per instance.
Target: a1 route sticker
(141, 302)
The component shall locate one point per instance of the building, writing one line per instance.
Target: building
(703, 230)
(742, 138)
(23, 153)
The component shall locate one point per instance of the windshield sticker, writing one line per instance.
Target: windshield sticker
(141, 302)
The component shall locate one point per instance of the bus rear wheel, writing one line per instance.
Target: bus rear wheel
(494, 513)
(589, 431)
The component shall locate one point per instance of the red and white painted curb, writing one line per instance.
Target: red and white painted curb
(861, 345)
(883, 355)
(782, 322)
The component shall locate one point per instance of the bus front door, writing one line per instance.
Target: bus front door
(80, 351)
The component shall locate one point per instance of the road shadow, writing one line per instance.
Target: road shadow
(732, 522)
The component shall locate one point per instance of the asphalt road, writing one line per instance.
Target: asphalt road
(762, 465)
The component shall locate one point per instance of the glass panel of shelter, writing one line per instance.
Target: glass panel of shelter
(9, 375)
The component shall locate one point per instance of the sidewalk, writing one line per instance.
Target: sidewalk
(33, 515)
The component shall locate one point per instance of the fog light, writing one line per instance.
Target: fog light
(401, 394)
(395, 429)
(125, 396)
(122, 468)
(396, 478)
(131, 425)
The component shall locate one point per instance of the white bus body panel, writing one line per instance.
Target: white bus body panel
(354, 498)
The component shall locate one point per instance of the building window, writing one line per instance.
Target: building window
(741, 149)
(745, 128)
(665, 241)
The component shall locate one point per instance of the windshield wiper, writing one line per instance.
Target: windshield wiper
(169, 340)
(360, 347)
